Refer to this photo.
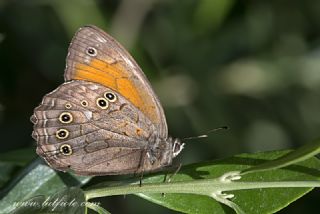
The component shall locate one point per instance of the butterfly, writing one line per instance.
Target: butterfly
(105, 119)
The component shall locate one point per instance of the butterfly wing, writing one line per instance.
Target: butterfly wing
(75, 129)
(95, 56)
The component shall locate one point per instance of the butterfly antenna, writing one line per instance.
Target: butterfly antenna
(195, 137)
(218, 129)
(206, 135)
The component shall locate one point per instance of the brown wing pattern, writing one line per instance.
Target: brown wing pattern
(82, 127)
(95, 56)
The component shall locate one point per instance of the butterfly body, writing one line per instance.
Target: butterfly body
(105, 119)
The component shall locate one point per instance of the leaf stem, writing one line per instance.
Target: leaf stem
(296, 156)
(97, 208)
(200, 187)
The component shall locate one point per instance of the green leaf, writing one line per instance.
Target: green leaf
(11, 161)
(305, 152)
(69, 200)
(37, 179)
(264, 200)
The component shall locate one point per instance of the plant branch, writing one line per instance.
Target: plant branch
(200, 187)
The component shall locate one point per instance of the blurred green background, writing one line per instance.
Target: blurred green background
(251, 65)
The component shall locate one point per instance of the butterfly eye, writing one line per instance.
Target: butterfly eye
(102, 103)
(110, 96)
(68, 106)
(66, 149)
(84, 103)
(92, 51)
(62, 134)
(65, 117)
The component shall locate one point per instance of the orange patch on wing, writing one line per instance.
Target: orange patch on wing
(127, 89)
(113, 76)
(116, 77)
(84, 75)
(111, 69)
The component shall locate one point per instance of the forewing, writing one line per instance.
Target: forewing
(95, 56)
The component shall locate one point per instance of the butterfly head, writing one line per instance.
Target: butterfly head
(177, 147)
(161, 153)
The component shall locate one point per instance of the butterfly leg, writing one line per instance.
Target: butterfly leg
(169, 179)
(140, 169)
(177, 169)
(141, 177)
(140, 174)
